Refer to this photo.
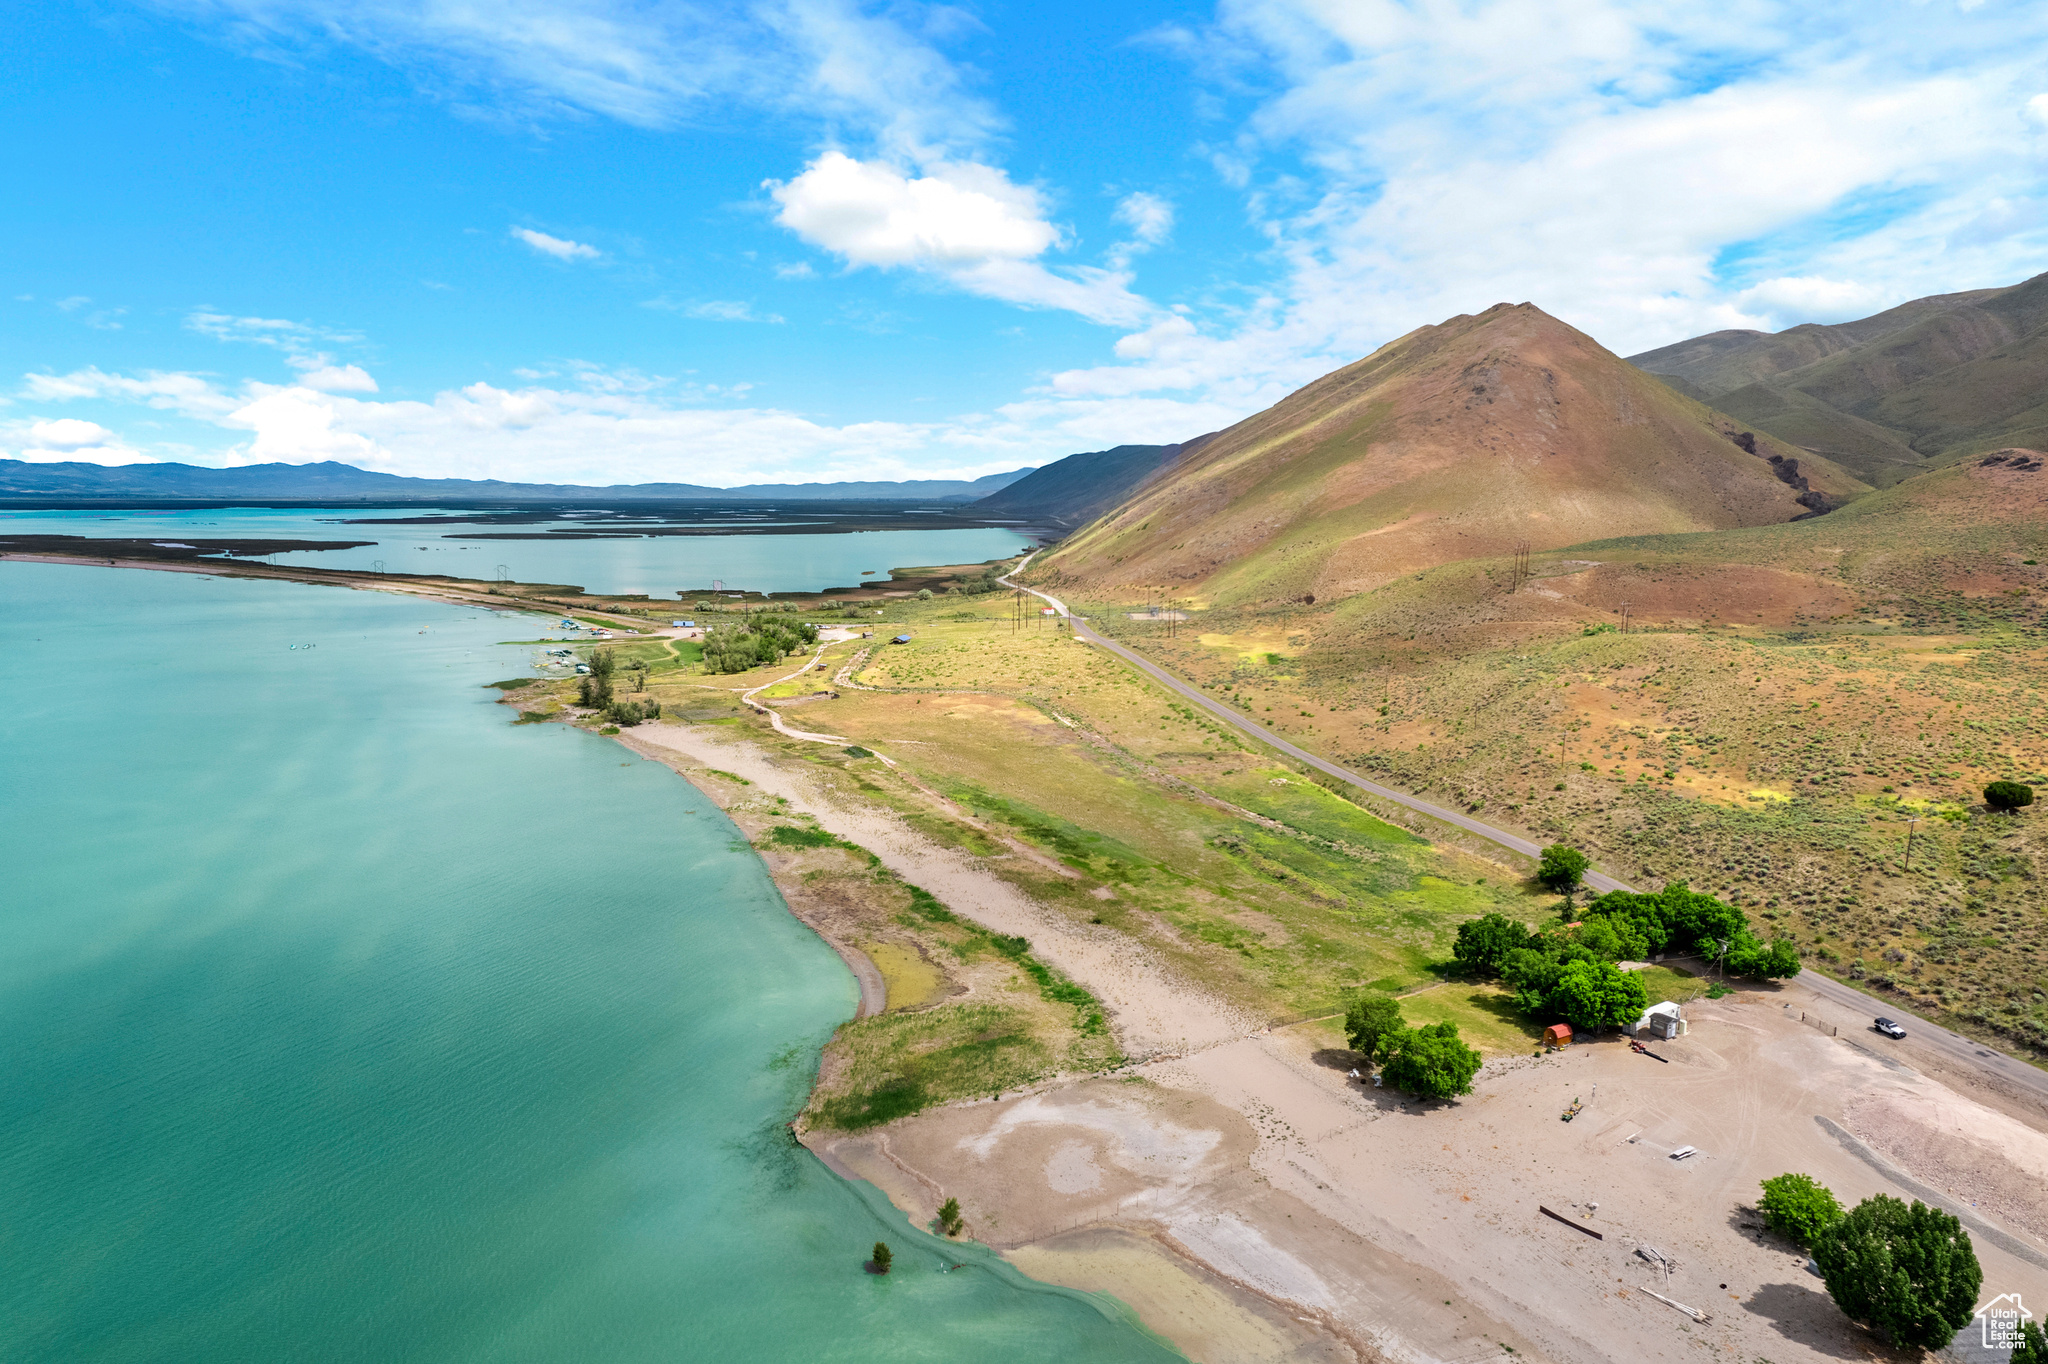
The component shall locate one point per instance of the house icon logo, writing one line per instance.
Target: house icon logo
(2001, 1319)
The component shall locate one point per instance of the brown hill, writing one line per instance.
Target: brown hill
(1456, 441)
(1938, 377)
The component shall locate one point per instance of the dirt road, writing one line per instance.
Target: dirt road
(1082, 630)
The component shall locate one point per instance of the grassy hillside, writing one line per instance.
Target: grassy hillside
(1456, 441)
(1785, 700)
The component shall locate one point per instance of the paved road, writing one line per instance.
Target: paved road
(1950, 1046)
(1597, 880)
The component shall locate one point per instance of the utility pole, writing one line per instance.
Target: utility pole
(1911, 824)
(1520, 573)
(1624, 618)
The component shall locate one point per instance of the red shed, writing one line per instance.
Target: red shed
(1558, 1034)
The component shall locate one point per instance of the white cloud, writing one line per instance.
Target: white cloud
(99, 319)
(338, 379)
(189, 395)
(964, 222)
(1149, 217)
(610, 426)
(262, 331)
(68, 433)
(649, 65)
(559, 247)
(800, 270)
(871, 213)
(65, 439)
(714, 310)
(1644, 172)
(1812, 298)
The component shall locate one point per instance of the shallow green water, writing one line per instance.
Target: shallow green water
(341, 1019)
(660, 567)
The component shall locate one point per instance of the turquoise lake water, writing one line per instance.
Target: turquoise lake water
(660, 567)
(343, 1020)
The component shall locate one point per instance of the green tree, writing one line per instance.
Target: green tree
(1430, 1062)
(1762, 961)
(1597, 994)
(2008, 795)
(1908, 1273)
(2033, 1346)
(1612, 939)
(924, 594)
(594, 688)
(1371, 1022)
(1484, 943)
(882, 1257)
(1561, 868)
(1799, 1207)
(950, 1220)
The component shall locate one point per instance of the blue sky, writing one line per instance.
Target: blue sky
(601, 242)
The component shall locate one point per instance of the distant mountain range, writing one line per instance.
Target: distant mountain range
(1079, 488)
(1949, 375)
(332, 482)
(1456, 441)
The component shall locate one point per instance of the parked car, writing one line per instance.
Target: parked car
(1889, 1028)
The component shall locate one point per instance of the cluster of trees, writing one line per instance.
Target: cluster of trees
(981, 586)
(1906, 1271)
(1568, 971)
(735, 646)
(594, 688)
(626, 714)
(1429, 1062)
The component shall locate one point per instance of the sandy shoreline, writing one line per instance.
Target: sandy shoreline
(1250, 1202)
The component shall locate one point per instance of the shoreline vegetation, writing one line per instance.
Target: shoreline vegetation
(1104, 945)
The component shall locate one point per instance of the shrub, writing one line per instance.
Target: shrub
(882, 1257)
(924, 594)
(1798, 1207)
(950, 1220)
(856, 751)
(1908, 1273)
(795, 836)
(1371, 1023)
(1561, 868)
(1431, 1063)
(2008, 795)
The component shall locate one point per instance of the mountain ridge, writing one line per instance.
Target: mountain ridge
(1079, 488)
(1932, 380)
(329, 480)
